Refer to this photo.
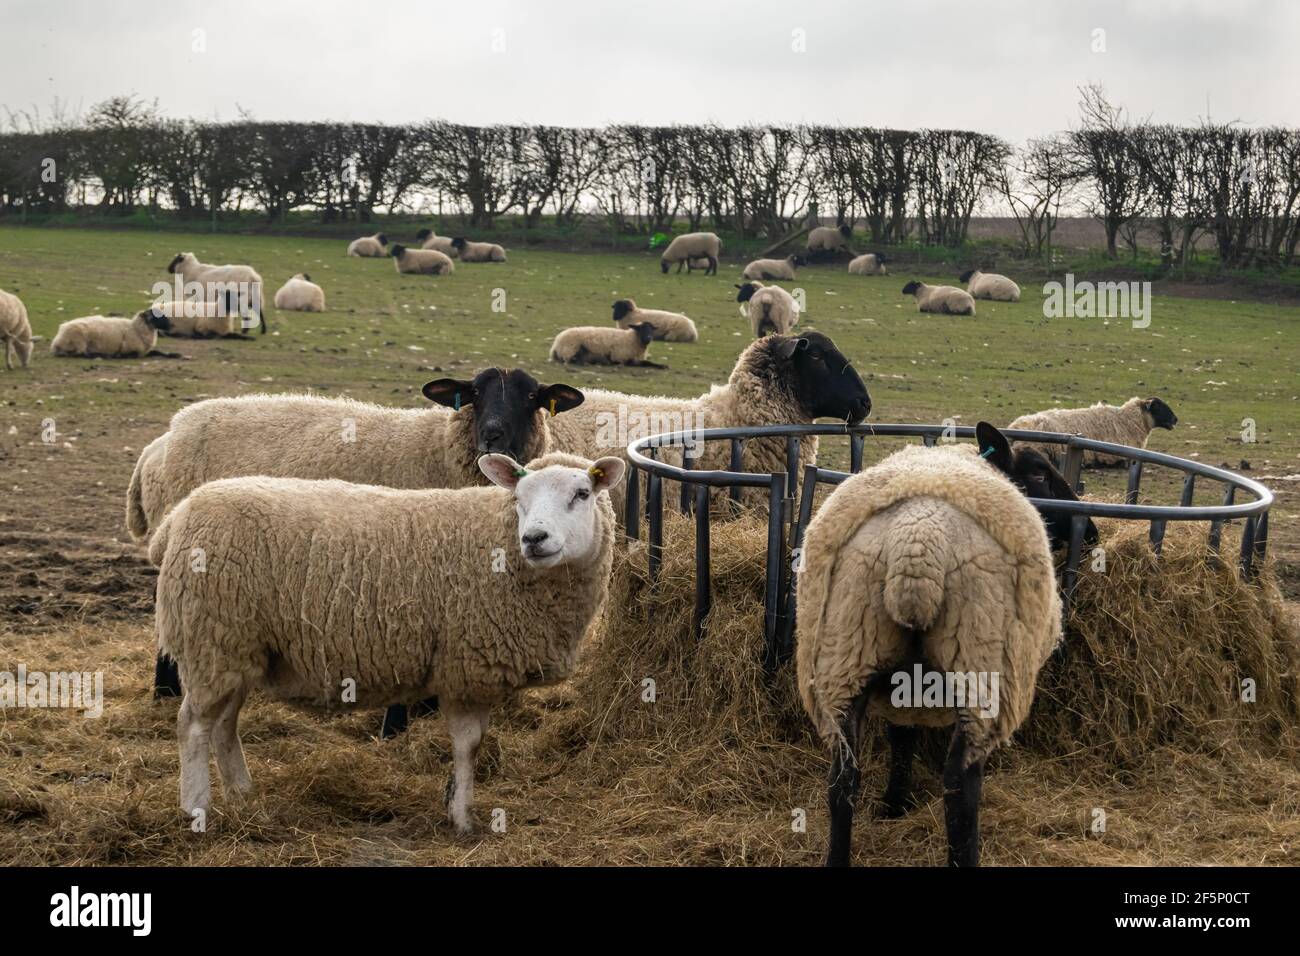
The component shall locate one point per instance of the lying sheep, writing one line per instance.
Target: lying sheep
(990, 285)
(871, 264)
(200, 320)
(777, 380)
(428, 262)
(1127, 424)
(770, 309)
(219, 283)
(411, 576)
(829, 239)
(478, 251)
(101, 336)
(699, 262)
(590, 345)
(429, 240)
(692, 245)
(773, 268)
(668, 326)
(370, 247)
(931, 561)
(940, 298)
(300, 294)
(15, 330)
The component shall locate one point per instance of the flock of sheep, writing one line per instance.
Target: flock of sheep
(459, 553)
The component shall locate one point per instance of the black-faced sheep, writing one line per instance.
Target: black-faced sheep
(591, 345)
(15, 330)
(945, 299)
(692, 245)
(829, 239)
(770, 310)
(668, 326)
(478, 251)
(870, 264)
(428, 262)
(1127, 424)
(444, 244)
(990, 285)
(773, 268)
(300, 294)
(369, 247)
(221, 283)
(101, 336)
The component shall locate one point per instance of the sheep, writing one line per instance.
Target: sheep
(300, 294)
(1127, 424)
(314, 585)
(429, 240)
(829, 239)
(668, 326)
(420, 261)
(478, 251)
(940, 298)
(871, 264)
(692, 245)
(777, 380)
(770, 309)
(931, 564)
(101, 336)
(773, 268)
(699, 262)
(370, 247)
(588, 344)
(221, 282)
(15, 330)
(990, 285)
(200, 320)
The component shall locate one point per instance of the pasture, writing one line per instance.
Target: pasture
(75, 594)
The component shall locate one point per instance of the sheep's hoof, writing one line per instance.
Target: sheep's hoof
(892, 807)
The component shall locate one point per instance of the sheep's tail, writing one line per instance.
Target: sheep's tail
(137, 522)
(158, 543)
(914, 585)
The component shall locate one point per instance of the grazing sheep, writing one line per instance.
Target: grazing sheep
(668, 326)
(990, 285)
(478, 251)
(101, 336)
(429, 262)
(390, 592)
(590, 345)
(777, 380)
(300, 294)
(369, 247)
(200, 320)
(429, 240)
(871, 264)
(15, 330)
(940, 298)
(219, 283)
(829, 239)
(932, 562)
(770, 309)
(773, 268)
(692, 245)
(1127, 424)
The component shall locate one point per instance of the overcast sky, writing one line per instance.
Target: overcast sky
(1009, 67)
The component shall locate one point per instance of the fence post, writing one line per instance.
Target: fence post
(772, 601)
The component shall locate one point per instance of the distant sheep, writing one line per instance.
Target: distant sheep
(699, 262)
(478, 251)
(826, 239)
(300, 294)
(692, 245)
(369, 247)
(219, 283)
(871, 264)
(588, 344)
(668, 326)
(990, 285)
(443, 244)
(429, 262)
(773, 268)
(200, 320)
(1128, 424)
(945, 299)
(771, 309)
(101, 336)
(15, 330)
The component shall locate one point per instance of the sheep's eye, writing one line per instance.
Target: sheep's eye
(582, 495)
(532, 396)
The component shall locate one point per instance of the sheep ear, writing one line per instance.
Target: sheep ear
(559, 398)
(606, 473)
(450, 392)
(994, 447)
(502, 470)
(788, 346)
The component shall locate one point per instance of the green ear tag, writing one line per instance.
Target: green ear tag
(986, 452)
(458, 401)
(521, 472)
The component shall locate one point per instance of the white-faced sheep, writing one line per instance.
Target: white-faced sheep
(102, 336)
(773, 268)
(15, 330)
(770, 309)
(1127, 424)
(478, 251)
(592, 345)
(945, 299)
(300, 294)
(829, 239)
(428, 262)
(870, 264)
(220, 283)
(776, 380)
(197, 319)
(990, 285)
(692, 245)
(411, 574)
(369, 247)
(430, 240)
(930, 571)
(668, 326)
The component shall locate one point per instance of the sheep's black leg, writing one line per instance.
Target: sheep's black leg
(166, 677)
(962, 786)
(395, 720)
(897, 799)
(845, 778)
(712, 270)
(426, 707)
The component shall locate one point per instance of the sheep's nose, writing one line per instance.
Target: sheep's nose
(534, 538)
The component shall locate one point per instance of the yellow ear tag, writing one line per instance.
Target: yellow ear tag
(596, 473)
(552, 408)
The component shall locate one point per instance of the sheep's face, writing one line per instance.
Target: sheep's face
(1160, 414)
(846, 232)
(747, 291)
(965, 276)
(397, 251)
(797, 260)
(881, 258)
(458, 243)
(912, 288)
(381, 239)
(663, 266)
(621, 308)
(181, 260)
(1036, 477)
(157, 320)
(645, 332)
(423, 234)
(556, 506)
(505, 403)
(820, 377)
